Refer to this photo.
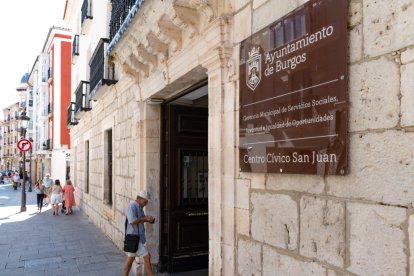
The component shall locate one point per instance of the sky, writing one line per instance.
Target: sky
(24, 25)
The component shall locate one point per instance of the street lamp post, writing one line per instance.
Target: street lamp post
(24, 122)
(30, 169)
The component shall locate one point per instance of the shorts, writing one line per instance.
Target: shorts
(141, 252)
(55, 199)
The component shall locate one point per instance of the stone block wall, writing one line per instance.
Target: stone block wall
(117, 109)
(361, 223)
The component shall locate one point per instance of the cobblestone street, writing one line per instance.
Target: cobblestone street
(43, 244)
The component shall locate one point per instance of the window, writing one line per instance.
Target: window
(87, 167)
(108, 168)
(194, 176)
(279, 35)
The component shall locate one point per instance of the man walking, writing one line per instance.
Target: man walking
(47, 183)
(136, 218)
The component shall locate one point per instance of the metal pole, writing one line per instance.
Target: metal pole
(23, 207)
(30, 178)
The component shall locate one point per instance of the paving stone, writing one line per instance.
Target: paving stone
(43, 261)
(91, 260)
(11, 265)
(40, 267)
(12, 272)
(34, 273)
(57, 272)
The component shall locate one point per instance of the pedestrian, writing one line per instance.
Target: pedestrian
(16, 179)
(47, 182)
(40, 191)
(135, 226)
(69, 197)
(55, 196)
(9, 178)
(20, 176)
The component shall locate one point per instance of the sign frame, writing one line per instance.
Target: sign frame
(293, 115)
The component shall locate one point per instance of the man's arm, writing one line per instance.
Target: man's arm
(142, 219)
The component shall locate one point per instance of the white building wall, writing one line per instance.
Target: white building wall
(57, 51)
(58, 165)
(42, 99)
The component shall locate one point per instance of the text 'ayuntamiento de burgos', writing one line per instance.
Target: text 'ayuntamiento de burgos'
(274, 60)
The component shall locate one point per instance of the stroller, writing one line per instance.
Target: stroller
(63, 207)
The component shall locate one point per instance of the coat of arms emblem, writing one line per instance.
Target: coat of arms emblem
(254, 68)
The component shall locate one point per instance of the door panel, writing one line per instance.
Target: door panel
(185, 209)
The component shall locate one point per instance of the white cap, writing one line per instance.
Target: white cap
(143, 194)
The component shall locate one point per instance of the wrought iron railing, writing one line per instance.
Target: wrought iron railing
(86, 11)
(49, 73)
(75, 46)
(71, 115)
(49, 108)
(122, 13)
(81, 104)
(101, 72)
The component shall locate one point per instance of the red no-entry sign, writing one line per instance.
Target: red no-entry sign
(24, 145)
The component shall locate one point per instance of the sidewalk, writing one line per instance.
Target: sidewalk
(43, 244)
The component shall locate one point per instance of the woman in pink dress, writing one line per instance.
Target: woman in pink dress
(68, 191)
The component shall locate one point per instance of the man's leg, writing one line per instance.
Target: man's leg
(128, 265)
(147, 265)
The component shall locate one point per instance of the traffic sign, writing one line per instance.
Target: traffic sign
(24, 145)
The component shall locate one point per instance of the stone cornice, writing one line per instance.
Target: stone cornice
(150, 42)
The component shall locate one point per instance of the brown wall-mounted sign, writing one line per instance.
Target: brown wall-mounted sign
(293, 93)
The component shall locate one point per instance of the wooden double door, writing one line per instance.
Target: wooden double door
(184, 189)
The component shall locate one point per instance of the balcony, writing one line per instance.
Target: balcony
(82, 104)
(71, 115)
(101, 71)
(122, 13)
(75, 49)
(86, 15)
(46, 144)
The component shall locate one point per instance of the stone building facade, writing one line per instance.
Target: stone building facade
(132, 136)
(11, 154)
